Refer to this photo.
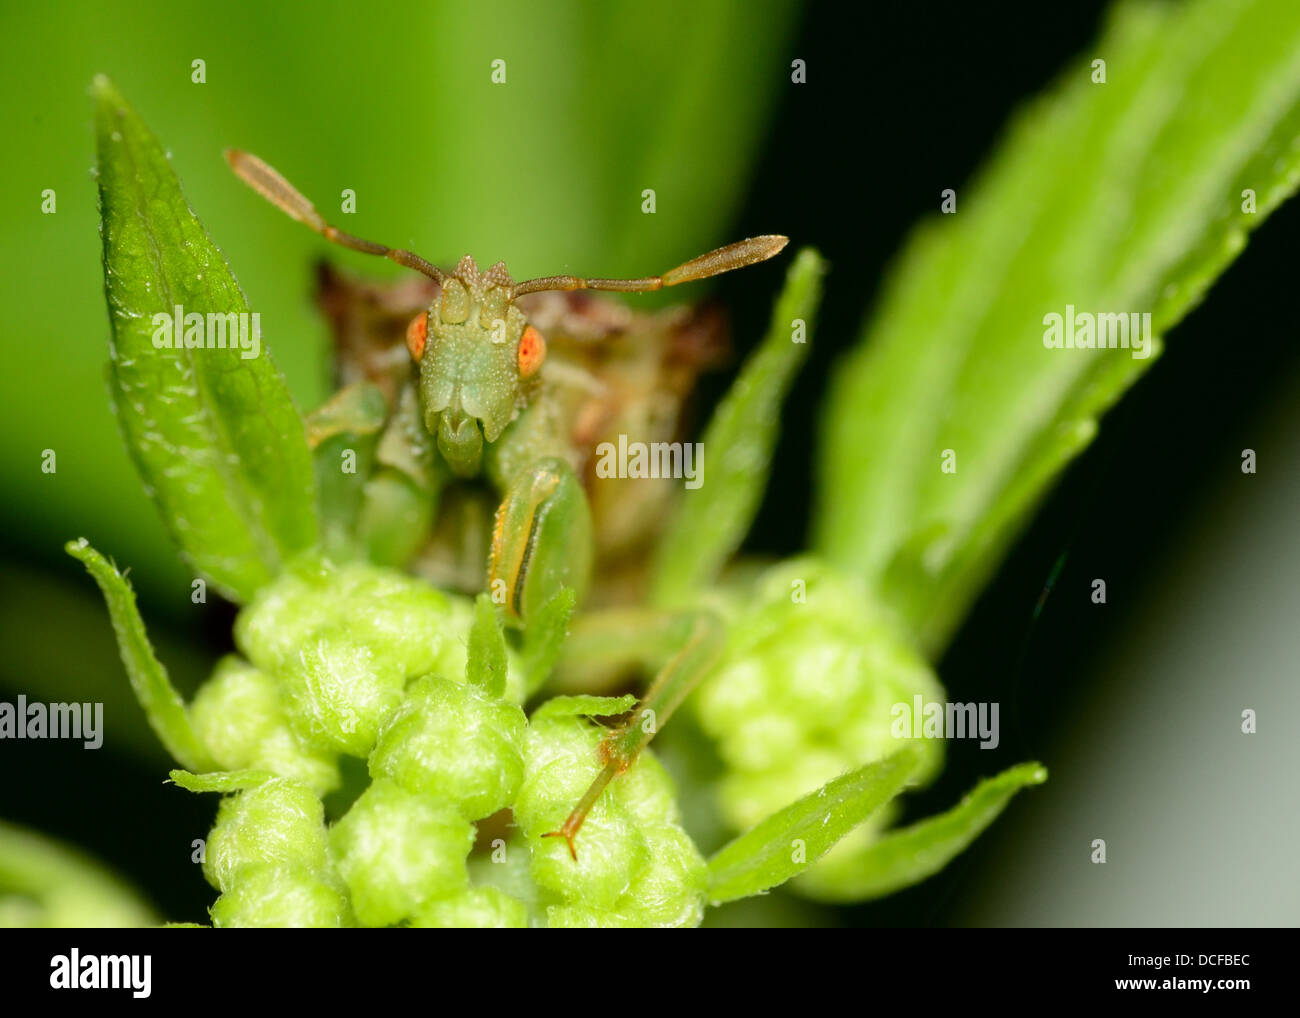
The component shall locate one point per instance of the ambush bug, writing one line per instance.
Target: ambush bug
(483, 397)
(612, 374)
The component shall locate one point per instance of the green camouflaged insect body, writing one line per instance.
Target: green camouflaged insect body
(480, 364)
(471, 387)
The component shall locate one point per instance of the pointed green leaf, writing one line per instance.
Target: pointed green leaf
(545, 638)
(485, 666)
(220, 781)
(737, 446)
(162, 705)
(1120, 197)
(792, 839)
(585, 705)
(212, 430)
(908, 855)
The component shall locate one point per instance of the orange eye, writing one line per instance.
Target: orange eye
(416, 334)
(532, 351)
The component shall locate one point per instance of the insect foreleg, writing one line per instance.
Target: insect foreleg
(541, 540)
(693, 642)
(400, 498)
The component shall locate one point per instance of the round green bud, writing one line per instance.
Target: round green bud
(396, 850)
(408, 619)
(280, 896)
(806, 688)
(403, 618)
(582, 917)
(339, 691)
(560, 763)
(238, 716)
(478, 908)
(670, 890)
(343, 641)
(285, 614)
(451, 741)
(279, 822)
(648, 793)
(612, 853)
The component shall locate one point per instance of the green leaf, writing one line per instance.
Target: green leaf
(485, 666)
(792, 839)
(162, 705)
(585, 705)
(1123, 197)
(45, 883)
(59, 650)
(220, 781)
(212, 431)
(738, 445)
(908, 855)
(545, 638)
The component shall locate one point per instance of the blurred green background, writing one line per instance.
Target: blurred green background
(693, 99)
(394, 101)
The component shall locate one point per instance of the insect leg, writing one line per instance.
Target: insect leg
(696, 640)
(541, 540)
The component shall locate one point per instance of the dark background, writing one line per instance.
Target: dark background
(911, 96)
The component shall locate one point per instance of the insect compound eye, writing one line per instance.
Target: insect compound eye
(417, 332)
(532, 351)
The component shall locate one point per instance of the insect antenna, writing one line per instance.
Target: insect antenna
(724, 259)
(267, 182)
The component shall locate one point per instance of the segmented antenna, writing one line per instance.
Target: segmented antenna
(723, 259)
(267, 182)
